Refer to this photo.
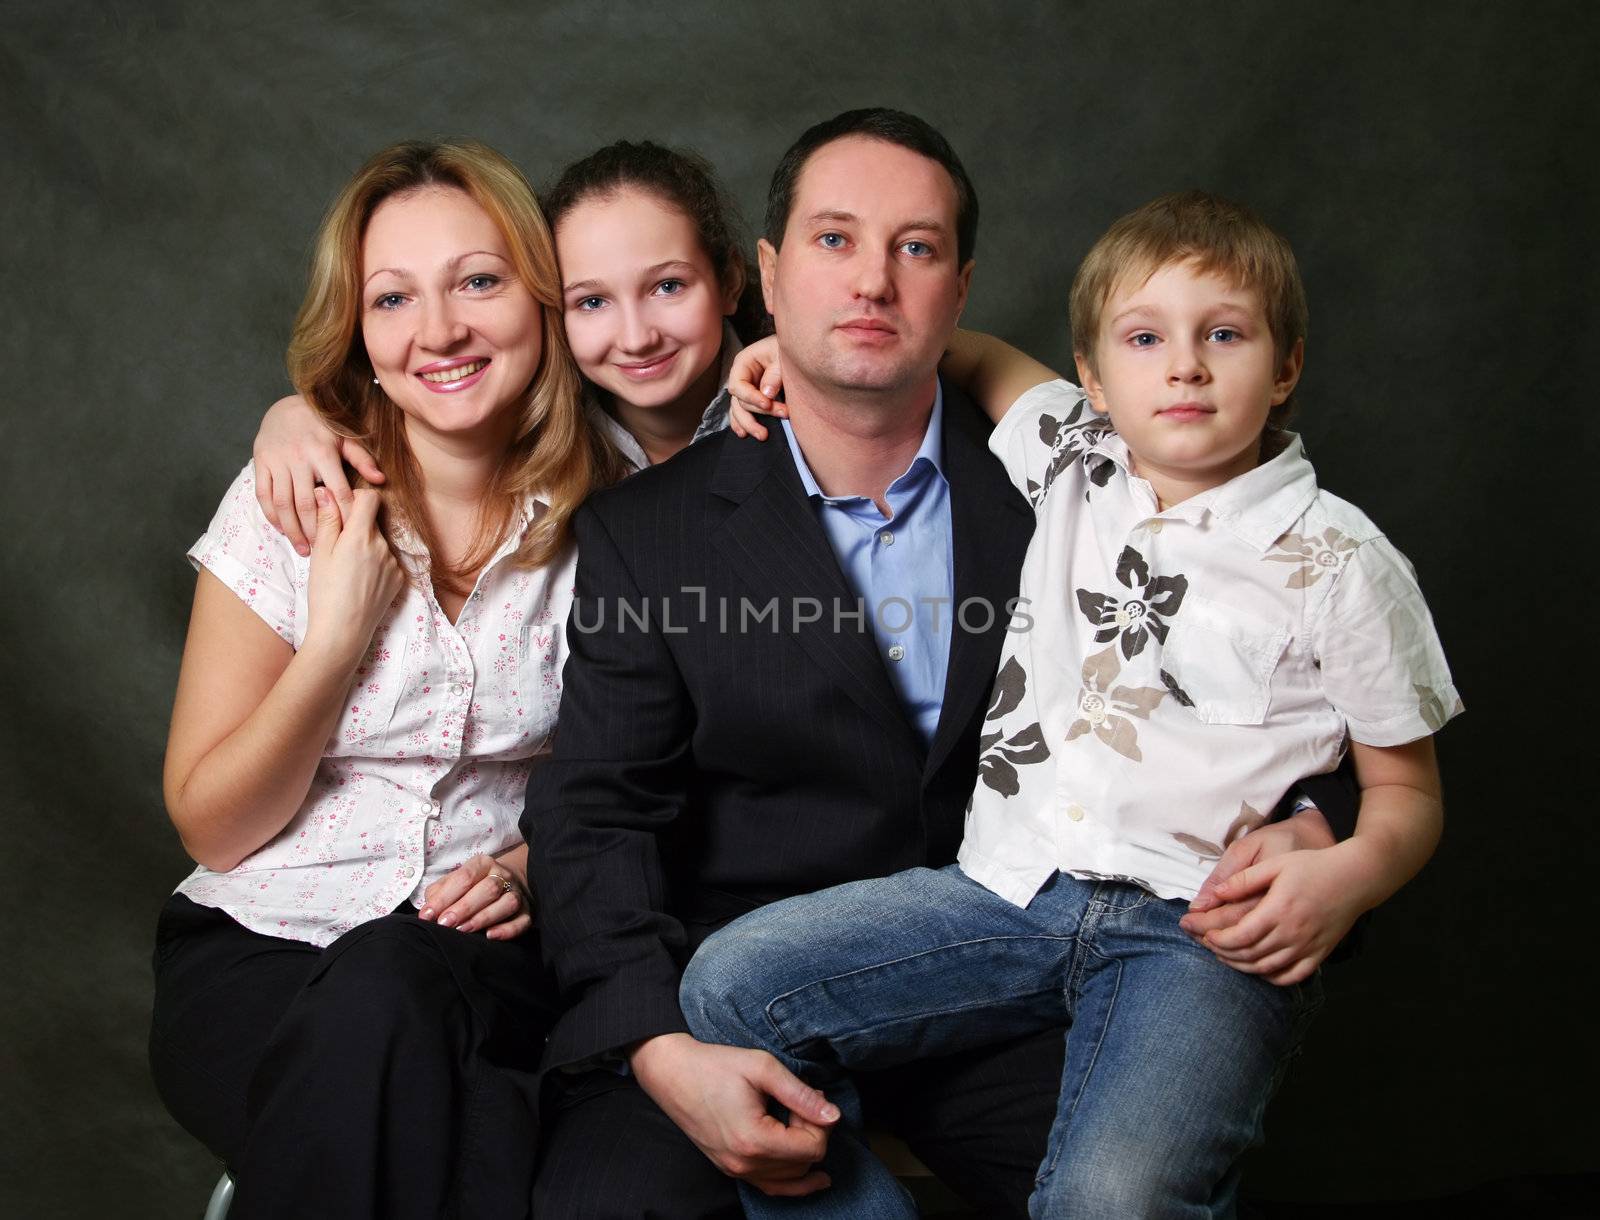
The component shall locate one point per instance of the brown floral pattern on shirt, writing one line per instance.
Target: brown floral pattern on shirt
(1432, 708)
(999, 759)
(1242, 825)
(1069, 438)
(1105, 709)
(1316, 556)
(1134, 620)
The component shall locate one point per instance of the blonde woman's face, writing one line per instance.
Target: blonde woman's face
(452, 332)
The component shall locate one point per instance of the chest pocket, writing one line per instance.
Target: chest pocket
(1222, 658)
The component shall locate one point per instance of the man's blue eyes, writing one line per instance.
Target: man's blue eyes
(836, 241)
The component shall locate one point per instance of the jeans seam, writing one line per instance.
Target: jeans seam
(1094, 1057)
(788, 1044)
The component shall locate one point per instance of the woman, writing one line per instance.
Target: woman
(657, 301)
(349, 1002)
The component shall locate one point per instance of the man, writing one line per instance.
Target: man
(780, 657)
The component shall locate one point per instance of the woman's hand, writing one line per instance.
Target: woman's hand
(294, 451)
(354, 578)
(486, 894)
(754, 382)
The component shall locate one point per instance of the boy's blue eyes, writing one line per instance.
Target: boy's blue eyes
(1221, 334)
(832, 241)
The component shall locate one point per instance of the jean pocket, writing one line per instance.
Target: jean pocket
(1221, 659)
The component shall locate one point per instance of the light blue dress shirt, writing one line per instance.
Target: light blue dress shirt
(901, 567)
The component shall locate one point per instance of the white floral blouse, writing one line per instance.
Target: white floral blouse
(1168, 675)
(429, 760)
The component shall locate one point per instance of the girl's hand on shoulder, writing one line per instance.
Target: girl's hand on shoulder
(354, 577)
(754, 383)
(294, 451)
(483, 895)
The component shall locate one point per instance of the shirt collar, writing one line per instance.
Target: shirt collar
(930, 454)
(1257, 506)
(1260, 504)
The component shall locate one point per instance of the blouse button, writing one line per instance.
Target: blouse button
(409, 871)
(1075, 812)
(457, 689)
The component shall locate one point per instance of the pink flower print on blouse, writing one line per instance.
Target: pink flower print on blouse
(1317, 555)
(1104, 709)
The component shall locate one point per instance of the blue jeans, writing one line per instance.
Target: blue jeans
(1171, 1056)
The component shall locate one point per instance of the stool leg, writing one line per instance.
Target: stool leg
(221, 1196)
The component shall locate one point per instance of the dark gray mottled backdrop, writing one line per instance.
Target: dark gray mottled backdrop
(164, 166)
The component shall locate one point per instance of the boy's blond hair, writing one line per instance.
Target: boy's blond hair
(1220, 236)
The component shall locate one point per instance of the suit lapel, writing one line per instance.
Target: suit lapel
(774, 542)
(990, 524)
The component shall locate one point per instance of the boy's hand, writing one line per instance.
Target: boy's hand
(294, 451)
(754, 382)
(1304, 903)
(1305, 830)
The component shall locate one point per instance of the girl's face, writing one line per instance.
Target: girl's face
(643, 308)
(451, 331)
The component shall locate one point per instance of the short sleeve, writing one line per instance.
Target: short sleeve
(1382, 665)
(1042, 434)
(242, 550)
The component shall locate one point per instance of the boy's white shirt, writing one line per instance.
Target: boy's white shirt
(1169, 675)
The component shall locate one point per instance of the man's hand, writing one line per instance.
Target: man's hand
(718, 1097)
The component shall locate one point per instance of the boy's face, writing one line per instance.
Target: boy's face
(1185, 366)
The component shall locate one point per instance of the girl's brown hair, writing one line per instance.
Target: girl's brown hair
(681, 180)
(554, 453)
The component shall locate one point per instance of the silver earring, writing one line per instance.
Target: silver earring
(374, 381)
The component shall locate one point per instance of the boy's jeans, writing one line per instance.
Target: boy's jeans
(1171, 1055)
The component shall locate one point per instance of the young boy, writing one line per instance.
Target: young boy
(1204, 627)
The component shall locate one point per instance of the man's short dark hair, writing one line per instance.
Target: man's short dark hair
(892, 127)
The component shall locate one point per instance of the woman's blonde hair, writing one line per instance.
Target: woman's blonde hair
(555, 452)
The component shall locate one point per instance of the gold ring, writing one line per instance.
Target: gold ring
(503, 882)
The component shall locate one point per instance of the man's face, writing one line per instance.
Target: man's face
(866, 288)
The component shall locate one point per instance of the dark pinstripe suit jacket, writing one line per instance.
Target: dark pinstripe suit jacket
(705, 763)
